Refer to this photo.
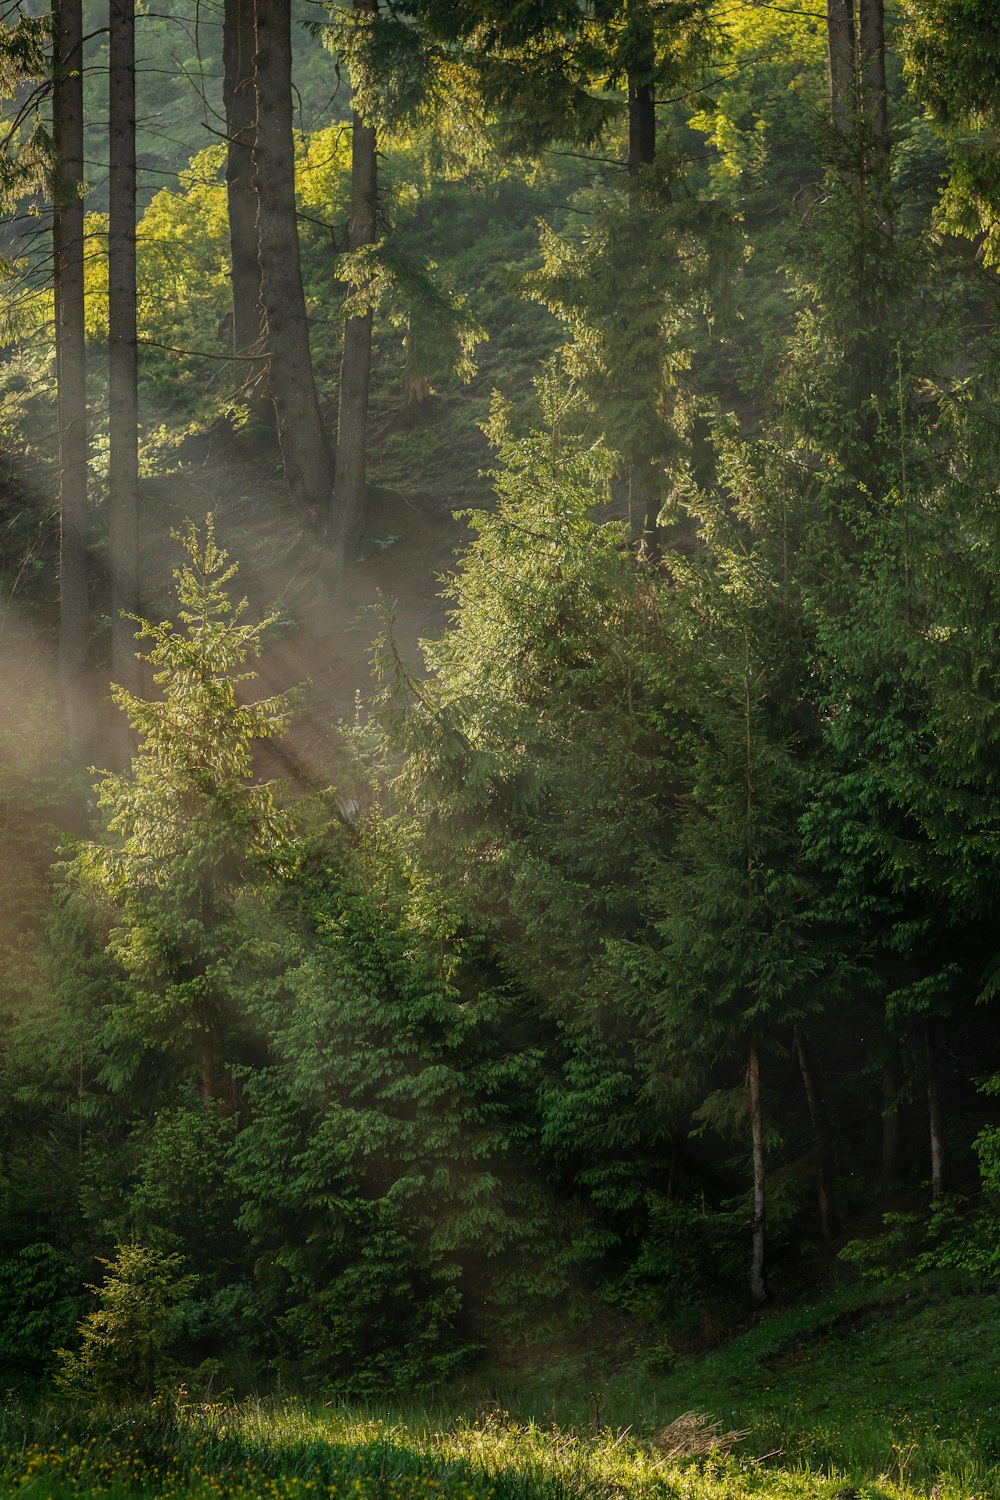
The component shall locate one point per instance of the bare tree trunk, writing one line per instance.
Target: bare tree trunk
(871, 79)
(240, 96)
(641, 96)
(758, 1285)
(305, 449)
(123, 367)
(71, 375)
(641, 126)
(841, 36)
(934, 1114)
(890, 1116)
(824, 1136)
(355, 370)
(644, 491)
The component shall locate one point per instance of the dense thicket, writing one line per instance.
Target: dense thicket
(644, 944)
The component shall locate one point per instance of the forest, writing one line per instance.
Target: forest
(499, 743)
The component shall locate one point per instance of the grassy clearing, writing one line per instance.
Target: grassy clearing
(902, 1381)
(857, 1398)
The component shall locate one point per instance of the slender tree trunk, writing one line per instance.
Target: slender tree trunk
(644, 491)
(240, 97)
(890, 1116)
(123, 368)
(207, 1063)
(934, 1114)
(305, 449)
(71, 374)
(758, 1285)
(841, 36)
(355, 370)
(644, 507)
(824, 1136)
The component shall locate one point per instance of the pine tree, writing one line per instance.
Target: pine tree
(188, 826)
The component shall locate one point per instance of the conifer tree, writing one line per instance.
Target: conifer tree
(188, 826)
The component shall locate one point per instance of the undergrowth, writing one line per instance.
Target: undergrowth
(863, 1396)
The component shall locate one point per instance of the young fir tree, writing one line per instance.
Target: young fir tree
(188, 826)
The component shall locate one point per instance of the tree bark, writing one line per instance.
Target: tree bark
(824, 1136)
(841, 36)
(871, 80)
(758, 1285)
(123, 367)
(305, 449)
(71, 374)
(240, 99)
(641, 96)
(641, 126)
(349, 501)
(934, 1114)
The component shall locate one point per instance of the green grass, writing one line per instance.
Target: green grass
(902, 1380)
(886, 1394)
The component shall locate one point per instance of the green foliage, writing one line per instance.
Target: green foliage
(188, 827)
(470, 1072)
(440, 334)
(39, 1307)
(631, 336)
(125, 1344)
(376, 1189)
(27, 154)
(953, 63)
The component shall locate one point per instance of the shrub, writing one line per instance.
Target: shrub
(125, 1343)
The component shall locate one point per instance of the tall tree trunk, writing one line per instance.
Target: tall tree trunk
(305, 449)
(123, 369)
(641, 96)
(824, 1136)
(758, 1285)
(890, 1116)
(641, 126)
(71, 374)
(934, 1114)
(355, 371)
(644, 491)
(240, 98)
(871, 79)
(841, 37)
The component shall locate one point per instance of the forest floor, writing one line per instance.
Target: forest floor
(884, 1394)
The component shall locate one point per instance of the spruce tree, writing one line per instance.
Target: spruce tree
(188, 825)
